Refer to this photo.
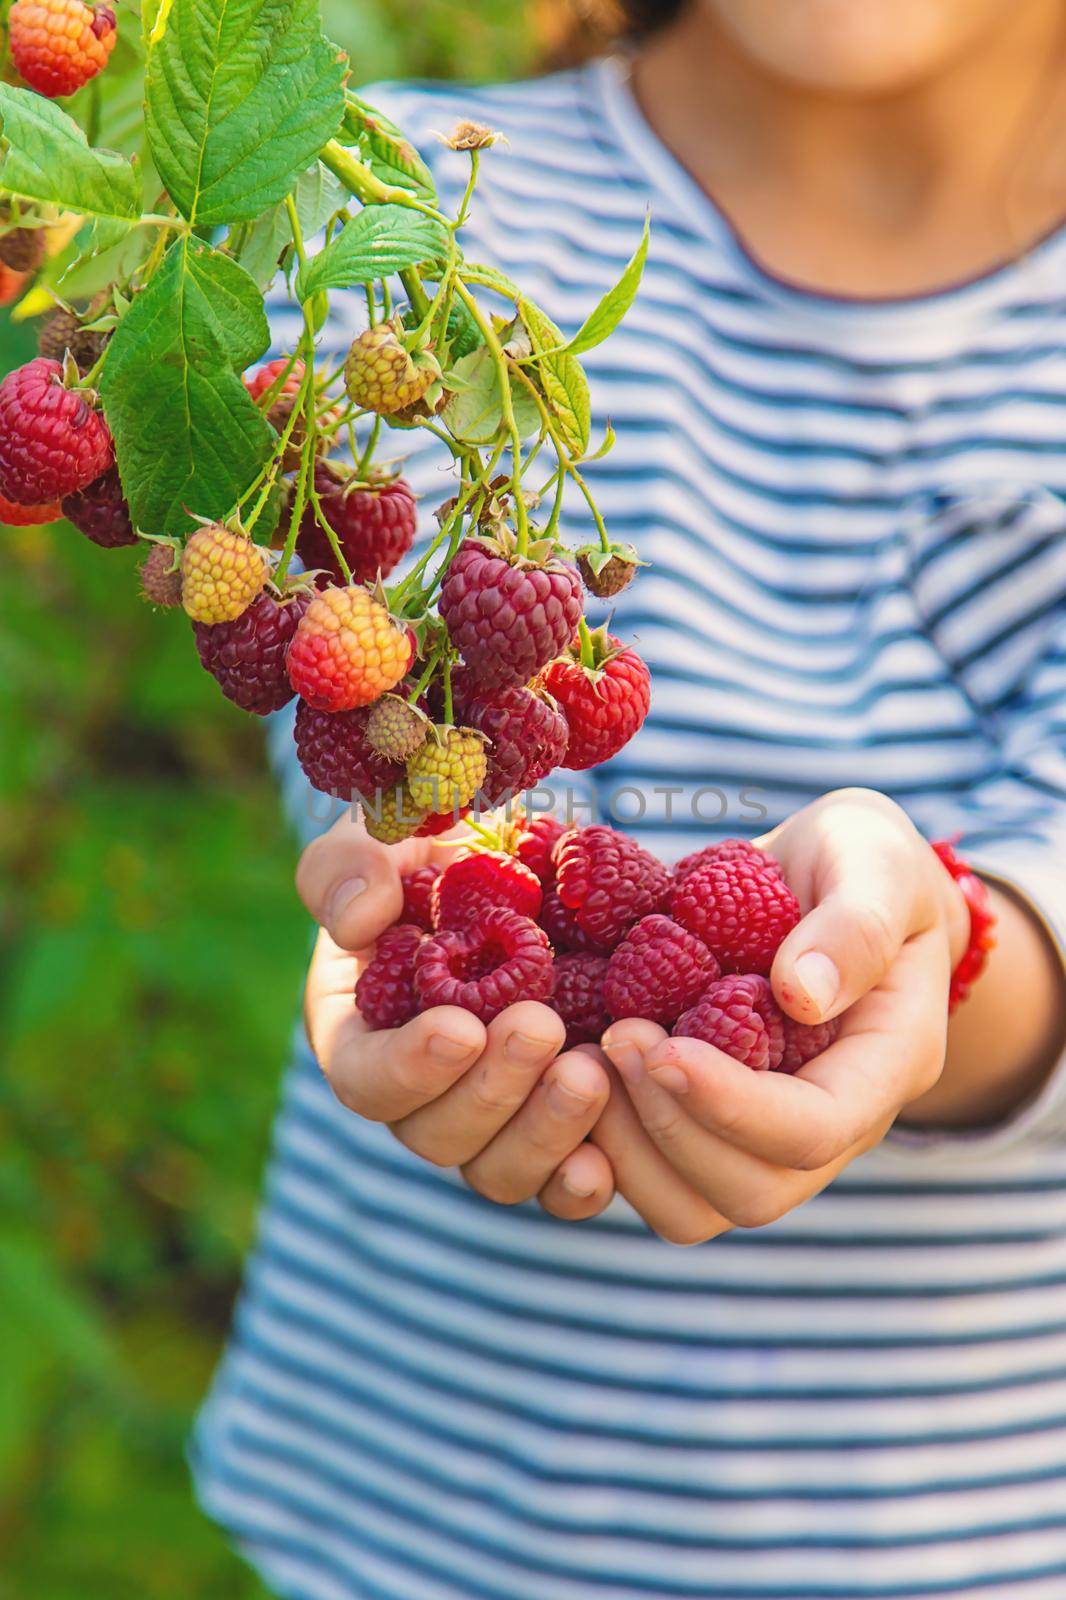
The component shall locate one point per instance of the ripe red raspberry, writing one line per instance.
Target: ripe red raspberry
(507, 618)
(397, 729)
(605, 705)
(332, 749)
(385, 989)
(490, 964)
(58, 45)
(418, 896)
(804, 1041)
(608, 881)
(738, 1014)
(478, 882)
(101, 513)
(537, 839)
(375, 526)
(741, 909)
(161, 576)
(52, 442)
(247, 656)
(658, 971)
(527, 736)
(347, 650)
(16, 516)
(382, 376)
(562, 929)
(448, 770)
(725, 850)
(577, 995)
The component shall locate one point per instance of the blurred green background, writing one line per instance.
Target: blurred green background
(151, 955)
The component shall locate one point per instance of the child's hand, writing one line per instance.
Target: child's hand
(499, 1102)
(705, 1143)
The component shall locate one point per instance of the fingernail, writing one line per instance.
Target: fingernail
(570, 1092)
(343, 895)
(448, 1049)
(671, 1078)
(819, 980)
(629, 1061)
(580, 1191)
(524, 1047)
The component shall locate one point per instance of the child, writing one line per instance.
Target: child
(841, 406)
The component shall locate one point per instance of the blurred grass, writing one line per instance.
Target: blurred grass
(151, 953)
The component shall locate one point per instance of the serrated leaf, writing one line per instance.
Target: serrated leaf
(318, 194)
(602, 322)
(379, 241)
(485, 277)
(187, 435)
(386, 149)
(47, 159)
(240, 96)
(475, 414)
(562, 378)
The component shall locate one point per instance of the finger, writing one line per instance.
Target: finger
(868, 902)
(351, 884)
(890, 1049)
(671, 1207)
(580, 1187)
(452, 1129)
(561, 1110)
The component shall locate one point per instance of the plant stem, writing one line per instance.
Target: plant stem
(588, 653)
(491, 338)
(415, 292)
(361, 182)
(367, 454)
(564, 458)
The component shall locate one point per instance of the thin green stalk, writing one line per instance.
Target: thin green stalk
(491, 338)
(588, 654)
(361, 182)
(416, 294)
(471, 183)
(367, 454)
(563, 456)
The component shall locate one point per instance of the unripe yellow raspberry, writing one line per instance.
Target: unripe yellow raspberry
(449, 769)
(381, 375)
(392, 816)
(222, 571)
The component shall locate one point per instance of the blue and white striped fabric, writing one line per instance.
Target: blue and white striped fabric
(858, 574)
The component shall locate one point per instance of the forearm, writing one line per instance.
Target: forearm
(1004, 1040)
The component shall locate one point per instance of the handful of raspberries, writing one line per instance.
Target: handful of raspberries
(589, 922)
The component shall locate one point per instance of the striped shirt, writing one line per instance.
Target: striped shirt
(852, 513)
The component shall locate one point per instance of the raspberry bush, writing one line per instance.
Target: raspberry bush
(154, 415)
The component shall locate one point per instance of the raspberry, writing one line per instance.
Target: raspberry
(65, 331)
(493, 962)
(440, 822)
(382, 376)
(725, 850)
(536, 842)
(385, 990)
(58, 45)
(281, 406)
(448, 770)
(247, 656)
(375, 526)
(396, 729)
(607, 578)
(16, 516)
(100, 512)
(741, 910)
(222, 571)
(561, 927)
(161, 576)
(22, 249)
(577, 995)
(391, 815)
(418, 896)
(740, 1016)
(658, 971)
(804, 1041)
(527, 736)
(52, 442)
(605, 704)
(507, 618)
(332, 749)
(347, 650)
(477, 883)
(608, 881)
(10, 284)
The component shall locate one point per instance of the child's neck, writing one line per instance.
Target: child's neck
(879, 195)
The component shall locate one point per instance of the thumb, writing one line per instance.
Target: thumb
(351, 884)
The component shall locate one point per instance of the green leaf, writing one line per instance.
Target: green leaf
(562, 378)
(615, 303)
(318, 194)
(187, 435)
(48, 160)
(474, 415)
(490, 278)
(240, 96)
(379, 241)
(386, 149)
